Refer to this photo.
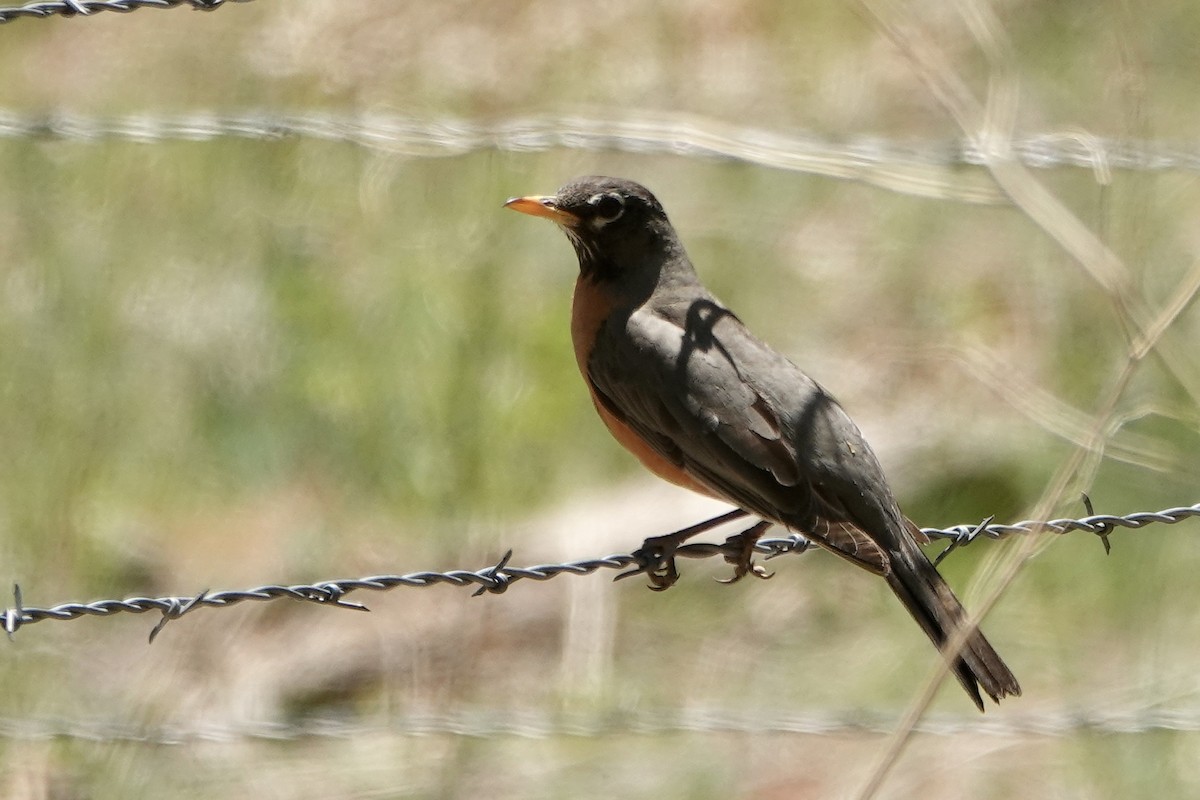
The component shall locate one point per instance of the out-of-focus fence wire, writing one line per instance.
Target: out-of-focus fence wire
(535, 724)
(921, 168)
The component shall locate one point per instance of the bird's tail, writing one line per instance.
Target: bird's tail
(928, 598)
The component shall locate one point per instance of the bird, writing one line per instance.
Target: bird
(701, 402)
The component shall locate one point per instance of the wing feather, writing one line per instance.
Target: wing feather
(764, 446)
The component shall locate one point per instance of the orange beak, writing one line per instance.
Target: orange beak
(542, 206)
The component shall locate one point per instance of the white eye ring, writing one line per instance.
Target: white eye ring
(609, 206)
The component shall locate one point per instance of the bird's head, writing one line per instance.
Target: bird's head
(616, 226)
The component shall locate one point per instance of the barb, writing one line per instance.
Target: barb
(15, 613)
(175, 611)
(500, 576)
(921, 168)
(531, 724)
(1097, 524)
(83, 8)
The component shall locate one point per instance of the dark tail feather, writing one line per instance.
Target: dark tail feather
(928, 598)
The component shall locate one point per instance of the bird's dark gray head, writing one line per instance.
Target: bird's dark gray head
(616, 226)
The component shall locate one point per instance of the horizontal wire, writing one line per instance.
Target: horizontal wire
(921, 168)
(499, 577)
(534, 724)
(83, 8)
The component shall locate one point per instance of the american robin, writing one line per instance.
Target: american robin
(701, 402)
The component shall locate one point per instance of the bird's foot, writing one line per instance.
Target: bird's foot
(656, 558)
(740, 553)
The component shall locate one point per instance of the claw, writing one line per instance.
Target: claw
(656, 560)
(663, 579)
(657, 557)
(740, 571)
(742, 557)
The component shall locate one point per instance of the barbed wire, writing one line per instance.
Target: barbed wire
(922, 168)
(83, 8)
(499, 577)
(534, 724)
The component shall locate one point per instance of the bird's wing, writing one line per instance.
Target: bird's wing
(744, 421)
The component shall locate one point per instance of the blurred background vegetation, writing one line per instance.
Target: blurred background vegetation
(229, 362)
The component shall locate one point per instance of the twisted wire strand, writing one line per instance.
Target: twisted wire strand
(535, 724)
(83, 8)
(499, 577)
(920, 168)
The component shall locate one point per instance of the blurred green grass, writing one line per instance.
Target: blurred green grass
(233, 362)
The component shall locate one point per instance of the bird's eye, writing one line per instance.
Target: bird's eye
(608, 206)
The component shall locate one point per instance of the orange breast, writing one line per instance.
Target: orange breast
(590, 307)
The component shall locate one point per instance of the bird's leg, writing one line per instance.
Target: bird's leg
(743, 558)
(656, 556)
